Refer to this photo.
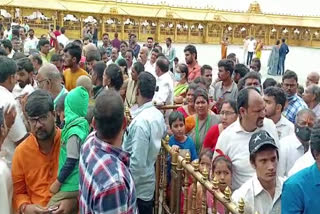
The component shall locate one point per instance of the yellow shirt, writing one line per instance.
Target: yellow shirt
(70, 78)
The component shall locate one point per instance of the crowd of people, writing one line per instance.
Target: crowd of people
(67, 146)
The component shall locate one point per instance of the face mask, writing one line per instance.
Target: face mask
(303, 133)
(177, 76)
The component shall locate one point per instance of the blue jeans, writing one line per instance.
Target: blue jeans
(281, 65)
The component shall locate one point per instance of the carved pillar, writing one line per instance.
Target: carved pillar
(61, 16)
(265, 34)
(81, 19)
(12, 13)
(54, 19)
(175, 32)
(103, 29)
(233, 29)
(222, 33)
(122, 28)
(277, 34)
(311, 38)
(189, 32)
(206, 33)
(158, 30)
(139, 29)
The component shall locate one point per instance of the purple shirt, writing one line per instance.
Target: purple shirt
(116, 43)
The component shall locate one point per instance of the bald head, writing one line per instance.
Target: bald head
(89, 47)
(49, 71)
(86, 82)
(313, 78)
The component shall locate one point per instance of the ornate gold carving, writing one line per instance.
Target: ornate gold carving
(254, 8)
(114, 10)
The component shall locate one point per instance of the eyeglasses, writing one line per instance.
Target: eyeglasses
(39, 82)
(226, 113)
(41, 119)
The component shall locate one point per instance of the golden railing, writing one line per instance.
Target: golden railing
(181, 169)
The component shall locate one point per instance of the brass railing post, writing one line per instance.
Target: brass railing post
(173, 184)
(204, 191)
(186, 184)
(195, 165)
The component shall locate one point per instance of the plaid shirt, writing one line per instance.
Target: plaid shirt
(106, 185)
(294, 106)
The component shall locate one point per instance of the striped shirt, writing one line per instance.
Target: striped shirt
(106, 185)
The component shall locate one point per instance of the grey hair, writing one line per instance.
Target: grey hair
(315, 90)
(305, 111)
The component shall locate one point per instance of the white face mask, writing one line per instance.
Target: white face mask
(177, 76)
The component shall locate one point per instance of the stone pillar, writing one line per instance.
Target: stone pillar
(61, 16)
(233, 28)
(81, 19)
(139, 29)
(12, 13)
(103, 28)
(189, 32)
(206, 33)
(175, 32)
(311, 38)
(157, 30)
(122, 28)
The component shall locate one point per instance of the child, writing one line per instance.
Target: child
(205, 158)
(221, 169)
(179, 141)
(73, 135)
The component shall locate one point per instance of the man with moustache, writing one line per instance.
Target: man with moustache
(234, 140)
(190, 54)
(25, 81)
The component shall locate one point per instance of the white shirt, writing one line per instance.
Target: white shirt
(30, 44)
(234, 142)
(63, 39)
(251, 45)
(10, 55)
(257, 199)
(290, 150)
(6, 188)
(18, 129)
(110, 62)
(245, 44)
(304, 161)
(165, 89)
(151, 68)
(18, 91)
(284, 127)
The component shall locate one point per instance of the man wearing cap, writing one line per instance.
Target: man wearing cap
(234, 140)
(301, 191)
(262, 193)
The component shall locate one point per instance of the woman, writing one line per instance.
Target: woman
(259, 48)
(181, 77)
(273, 61)
(124, 68)
(228, 115)
(112, 77)
(203, 119)
(131, 91)
(188, 109)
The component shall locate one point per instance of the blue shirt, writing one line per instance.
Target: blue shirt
(284, 50)
(301, 192)
(188, 144)
(143, 141)
(295, 104)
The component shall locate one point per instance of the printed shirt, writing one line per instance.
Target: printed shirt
(106, 185)
(294, 106)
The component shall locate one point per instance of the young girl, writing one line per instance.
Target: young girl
(221, 169)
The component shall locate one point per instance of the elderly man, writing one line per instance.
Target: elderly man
(293, 146)
(49, 79)
(312, 78)
(143, 55)
(234, 141)
(312, 98)
(114, 56)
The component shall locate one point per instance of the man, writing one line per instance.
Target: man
(283, 51)
(225, 89)
(7, 31)
(251, 48)
(18, 132)
(123, 49)
(116, 42)
(134, 45)
(143, 55)
(293, 146)
(24, 77)
(23, 38)
(62, 37)
(240, 70)
(149, 45)
(92, 57)
(31, 42)
(275, 100)
(49, 79)
(36, 62)
(164, 91)
(312, 98)
(255, 65)
(313, 78)
(206, 72)
(57, 60)
(45, 51)
(114, 56)
(234, 140)
(72, 56)
(262, 192)
(35, 161)
(7, 45)
(150, 66)
(300, 190)
(129, 59)
(169, 52)
(97, 77)
(252, 79)
(295, 103)
(112, 189)
(245, 48)
(143, 142)
(190, 54)
(106, 44)
(16, 44)
(56, 33)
